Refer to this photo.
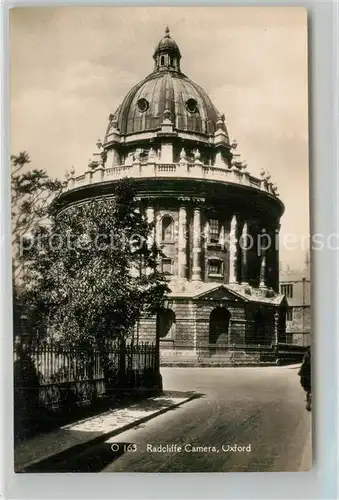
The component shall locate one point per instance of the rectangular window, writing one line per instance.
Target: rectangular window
(215, 267)
(287, 289)
(214, 231)
(166, 265)
(289, 314)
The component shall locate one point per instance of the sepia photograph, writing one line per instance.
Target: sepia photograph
(161, 239)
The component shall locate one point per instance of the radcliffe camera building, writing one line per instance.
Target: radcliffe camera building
(192, 182)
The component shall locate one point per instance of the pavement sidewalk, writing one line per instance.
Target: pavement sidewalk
(80, 434)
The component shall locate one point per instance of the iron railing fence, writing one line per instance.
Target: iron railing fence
(61, 375)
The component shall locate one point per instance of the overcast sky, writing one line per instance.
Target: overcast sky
(72, 66)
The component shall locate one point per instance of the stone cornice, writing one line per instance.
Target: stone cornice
(239, 197)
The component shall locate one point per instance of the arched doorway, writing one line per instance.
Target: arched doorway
(219, 325)
(166, 324)
(259, 336)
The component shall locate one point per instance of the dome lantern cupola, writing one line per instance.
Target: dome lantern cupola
(167, 54)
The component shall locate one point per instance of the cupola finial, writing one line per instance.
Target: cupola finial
(167, 54)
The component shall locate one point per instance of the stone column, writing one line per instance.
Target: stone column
(271, 254)
(222, 236)
(244, 254)
(158, 236)
(226, 234)
(182, 260)
(150, 219)
(262, 279)
(151, 236)
(196, 271)
(275, 257)
(233, 251)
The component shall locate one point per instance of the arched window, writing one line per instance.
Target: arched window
(219, 325)
(162, 60)
(167, 228)
(166, 324)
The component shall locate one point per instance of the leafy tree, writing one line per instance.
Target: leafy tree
(92, 274)
(32, 192)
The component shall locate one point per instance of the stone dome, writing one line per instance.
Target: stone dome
(167, 93)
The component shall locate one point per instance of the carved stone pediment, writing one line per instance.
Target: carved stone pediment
(219, 293)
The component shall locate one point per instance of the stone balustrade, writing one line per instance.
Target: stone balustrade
(172, 170)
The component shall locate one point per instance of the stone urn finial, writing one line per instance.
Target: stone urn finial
(136, 156)
(262, 173)
(267, 176)
(234, 144)
(197, 154)
(220, 124)
(72, 171)
(113, 122)
(92, 164)
(152, 154)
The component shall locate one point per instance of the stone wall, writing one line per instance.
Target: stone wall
(189, 338)
(147, 329)
(298, 331)
(267, 334)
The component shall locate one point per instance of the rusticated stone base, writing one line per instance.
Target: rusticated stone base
(217, 326)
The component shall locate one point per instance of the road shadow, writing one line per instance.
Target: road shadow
(78, 438)
(92, 459)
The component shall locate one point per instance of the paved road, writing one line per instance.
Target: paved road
(261, 409)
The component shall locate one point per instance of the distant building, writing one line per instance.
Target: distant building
(296, 286)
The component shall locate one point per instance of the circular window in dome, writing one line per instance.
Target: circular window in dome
(192, 105)
(142, 105)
